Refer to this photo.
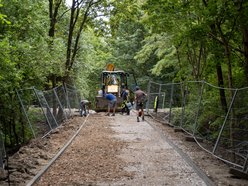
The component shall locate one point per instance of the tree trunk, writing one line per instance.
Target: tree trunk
(219, 71)
(230, 82)
(245, 41)
(53, 14)
(16, 137)
(72, 50)
(221, 84)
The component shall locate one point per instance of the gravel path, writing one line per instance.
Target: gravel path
(120, 151)
(153, 160)
(117, 151)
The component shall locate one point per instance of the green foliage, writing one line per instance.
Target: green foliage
(176, 115)
(209, 123)
(191, 26)
(3, 18)
(92, 59)
(158, 52)
(24, 61)
(27, 44)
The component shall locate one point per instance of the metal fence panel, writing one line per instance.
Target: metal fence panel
(73, 98)
(175, 103)
(55, 105)
(233, 136)
(45, 110)
(216, 117)
(36, 121)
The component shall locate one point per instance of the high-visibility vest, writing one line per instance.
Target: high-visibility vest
(156, 104)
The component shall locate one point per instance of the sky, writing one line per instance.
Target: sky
(68, 2)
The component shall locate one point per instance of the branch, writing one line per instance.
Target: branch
(63, 13)
(221, 42)
(79, 33)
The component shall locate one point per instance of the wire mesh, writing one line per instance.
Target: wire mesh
(211, 115)
(55, 105)
(36, 122)
(62, 96)
(169, 101)
(191, 103)
(234, 135)
(173, 103)
(216, 117)
(45, 110)
(73, 97)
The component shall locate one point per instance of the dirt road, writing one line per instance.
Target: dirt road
(117, 151)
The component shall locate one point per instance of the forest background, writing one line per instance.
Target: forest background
(45, 43)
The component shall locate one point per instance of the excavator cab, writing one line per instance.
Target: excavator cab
(112, 81)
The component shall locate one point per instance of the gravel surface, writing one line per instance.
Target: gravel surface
(153, 160)
(92, 158)
(116, 151)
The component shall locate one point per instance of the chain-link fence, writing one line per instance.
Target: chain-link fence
(217, 118)
(46, 110)
(43, 111)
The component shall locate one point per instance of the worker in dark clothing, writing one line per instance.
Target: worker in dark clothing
(140, 99)
(124, 96)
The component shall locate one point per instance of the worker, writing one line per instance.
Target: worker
(111, 103)
(125, 101)
(140, 100)
(84, 107)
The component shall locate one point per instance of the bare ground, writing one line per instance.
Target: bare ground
(96, 157)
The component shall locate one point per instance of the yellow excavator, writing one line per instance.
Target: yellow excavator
(112, 81)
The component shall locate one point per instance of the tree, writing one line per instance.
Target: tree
(54, 7)
(127, 34)
(159, 55)
(24, 61)
(80, 13)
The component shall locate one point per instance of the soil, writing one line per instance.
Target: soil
(115, 151)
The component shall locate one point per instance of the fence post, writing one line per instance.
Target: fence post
(78, 97)
(67, 98)
(2, 150)
(163, 100)
(245, 167)
(159, 91)
(171, 98)
(199, 106)
(223, 125)
(183, 103)
(148, 93)
(25, 113)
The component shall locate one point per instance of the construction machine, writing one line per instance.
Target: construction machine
(112, 81)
